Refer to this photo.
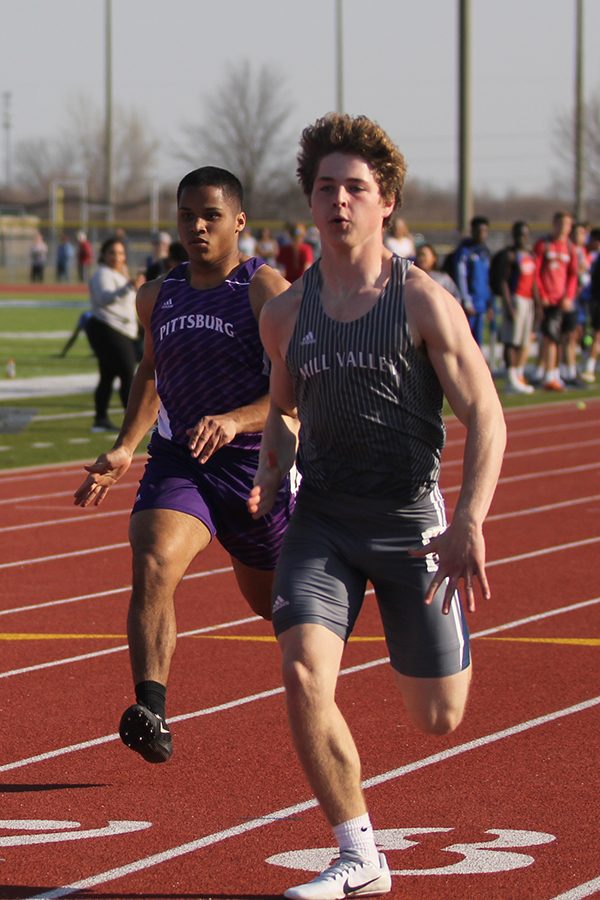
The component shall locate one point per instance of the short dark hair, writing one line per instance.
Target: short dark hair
(354, 135)
(177, 252)
(518, 226)
(213, 176)
(107, 244)
(476, 221)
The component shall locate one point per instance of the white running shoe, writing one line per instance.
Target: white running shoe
(348, 876)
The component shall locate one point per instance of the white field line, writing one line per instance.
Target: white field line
(155, 859)
(262, 695)
(79, 519)
(511, 454)
(589, 889)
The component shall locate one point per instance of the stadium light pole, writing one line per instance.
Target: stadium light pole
(579, 114)
(339, 57)
(108, 111)
(465, 199)
(6, 123)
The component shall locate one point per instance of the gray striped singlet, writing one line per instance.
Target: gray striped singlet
(369, 401)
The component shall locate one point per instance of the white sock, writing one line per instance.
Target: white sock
(357, 835)
(590, 365)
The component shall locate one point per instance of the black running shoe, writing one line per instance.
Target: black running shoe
(146, 733)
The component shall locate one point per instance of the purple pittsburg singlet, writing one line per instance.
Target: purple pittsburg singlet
(208, 355)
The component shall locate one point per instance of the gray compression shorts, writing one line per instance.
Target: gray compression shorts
(335, 544)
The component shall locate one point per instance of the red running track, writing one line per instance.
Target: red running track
(507, 807)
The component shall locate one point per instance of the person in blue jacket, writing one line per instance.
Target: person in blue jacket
(472, 264)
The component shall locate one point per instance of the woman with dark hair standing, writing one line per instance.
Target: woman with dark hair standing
(113, 327)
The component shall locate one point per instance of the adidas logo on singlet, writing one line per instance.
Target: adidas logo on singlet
(167, 304)
(308, 338)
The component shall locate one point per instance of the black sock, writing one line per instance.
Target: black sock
(153, 695)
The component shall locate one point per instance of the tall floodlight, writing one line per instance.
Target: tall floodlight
(339, 57)
(108, 111)
(579, 115)
(465, 199)
(6, 123)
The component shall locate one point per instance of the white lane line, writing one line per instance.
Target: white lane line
(242, 701)
(548, 507)
(217, 837)
(532, 451)
(108, 593)
(72, 554)
(130, 485)
(589, 889)
(529, 476)
(79, 519)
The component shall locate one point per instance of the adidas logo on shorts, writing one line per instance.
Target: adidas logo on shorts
(279, 603)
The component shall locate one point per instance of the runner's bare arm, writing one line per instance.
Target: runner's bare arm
(441, 327)
(280, 435)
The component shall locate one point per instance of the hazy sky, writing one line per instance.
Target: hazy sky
(400, 69)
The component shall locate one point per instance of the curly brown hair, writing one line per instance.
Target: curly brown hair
(356, 135)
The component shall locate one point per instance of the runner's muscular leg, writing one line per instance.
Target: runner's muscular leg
(164, 543)
(311, 661)
(256, 586)
(436, 705)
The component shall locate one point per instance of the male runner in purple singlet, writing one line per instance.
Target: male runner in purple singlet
(203, 380)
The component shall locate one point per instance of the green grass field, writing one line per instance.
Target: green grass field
(59, 428)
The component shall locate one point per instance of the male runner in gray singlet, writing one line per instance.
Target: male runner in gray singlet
(363, 347)
(203, 379)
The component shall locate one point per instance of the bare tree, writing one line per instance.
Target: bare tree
(565, 148)
(78, 152)
(244, 130)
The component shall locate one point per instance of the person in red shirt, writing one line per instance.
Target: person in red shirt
(556, 279)
(85, 256)
(295, 258)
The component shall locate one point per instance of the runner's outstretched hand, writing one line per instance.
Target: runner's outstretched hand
(106, 471)
(460, 552)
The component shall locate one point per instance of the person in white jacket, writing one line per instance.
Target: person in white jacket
(113, 328)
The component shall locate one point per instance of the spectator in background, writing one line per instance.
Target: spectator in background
(313, 239)
(398, 238)
(177, 254)
(113, 327)
(427, 259)
(472, 263)
(247, 243)
(65, 254)
(39, 257)
(556, 279)
(572, 339)
(267, 247)
(519, 297)
(589, 373)
(84, 256)
(295, 257)
(82, 324)
(156, 264)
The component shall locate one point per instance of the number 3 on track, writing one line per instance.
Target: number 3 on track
(478, 858)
